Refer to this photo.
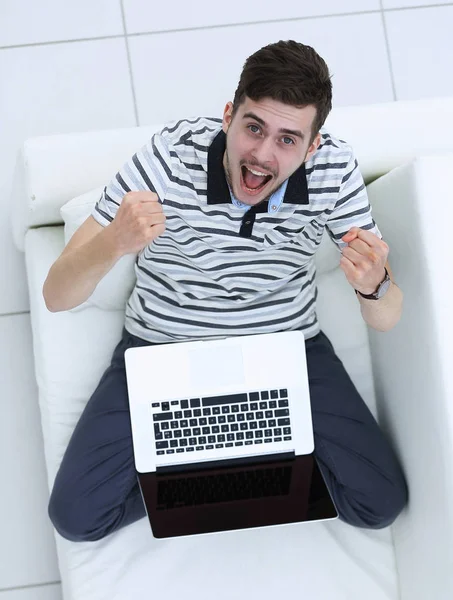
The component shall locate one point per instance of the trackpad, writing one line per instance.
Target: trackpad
(216, 367)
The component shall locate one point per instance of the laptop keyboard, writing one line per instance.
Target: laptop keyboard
(225, 421)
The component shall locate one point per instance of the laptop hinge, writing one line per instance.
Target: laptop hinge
(227, 462)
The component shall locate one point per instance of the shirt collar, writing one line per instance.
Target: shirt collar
(218, 190)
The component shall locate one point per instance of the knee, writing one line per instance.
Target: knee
(386, 506)
(69, 519)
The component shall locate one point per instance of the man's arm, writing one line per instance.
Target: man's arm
(363, 262)
(383, 314)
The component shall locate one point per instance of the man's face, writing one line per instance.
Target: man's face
(266, 142)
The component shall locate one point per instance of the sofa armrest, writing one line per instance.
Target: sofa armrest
(412, 368)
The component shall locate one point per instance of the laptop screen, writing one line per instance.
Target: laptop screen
(229, 495)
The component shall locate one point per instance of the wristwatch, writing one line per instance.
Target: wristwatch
(381, 289)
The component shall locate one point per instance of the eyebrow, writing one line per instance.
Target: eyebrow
(296, 132)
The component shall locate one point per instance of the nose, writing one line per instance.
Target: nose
(263, 153)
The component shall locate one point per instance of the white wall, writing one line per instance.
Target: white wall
(100, 64)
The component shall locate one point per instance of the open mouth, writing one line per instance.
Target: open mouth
(253, 181)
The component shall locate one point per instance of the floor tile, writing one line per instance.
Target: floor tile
(25, 22)
(143, 16)
(421, 47)
(353, 47)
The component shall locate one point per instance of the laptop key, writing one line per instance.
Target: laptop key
(254, 396)
(184, 404)
(170, 451)
(240, 417)
(258, 441)
(194, 402)
(222, 419)
(229, 445)
(189, 449)
(225, 428)
(219, 445)
(215, 429)
(193, 422)
(231, 418)
(268, 433)
(161, 445)
(174, 425)
(187, 414)
(179, 450)
(277, 439)
(253, 425)
(164, 416)
(244, 426)
(238, 443)
(206, 411)
(211, 439)
(186, 432)
(268, 414)
(248, 442)
(164, 425)
(221, 437)
(287, 438)
(287, 430)
(262, 424)
(165, 405)
(155, 404)
(202, 421)
(216, 410)
(168, 435)
(177, 433)
(234, 427)
(197, 412)
(225, 409)
(199, 448)
(206, 430)
(196, 431)
(272, 423)
(212, 420)
(240, 435)
(283, 422)
(264, 395)
(160, 452)
(274, 393)
(183, 442)
(192, 441)
(267, 440)
(230, 437)
(272, 404)
(259, 414)
(202, 440)
(210, 447)
(250, 416)
(263, 405)
(173, 443)
(249, 435)
(178, 414)
(283, 393)
(281, 412)
(159, 436)
(283, 402)
(258, 434)
(235, 408)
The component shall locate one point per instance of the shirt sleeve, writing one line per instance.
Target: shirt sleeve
(352, 208)
(147, 170)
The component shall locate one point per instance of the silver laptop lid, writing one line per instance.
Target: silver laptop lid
(233, 369)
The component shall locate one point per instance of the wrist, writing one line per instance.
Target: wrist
(373, 290)
(110, 242)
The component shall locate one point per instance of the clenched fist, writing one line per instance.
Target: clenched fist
(140, 220)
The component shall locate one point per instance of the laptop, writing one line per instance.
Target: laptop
(223, 436)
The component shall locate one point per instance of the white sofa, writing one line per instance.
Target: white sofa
(404, 376)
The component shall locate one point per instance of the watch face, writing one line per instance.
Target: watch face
(383, 288)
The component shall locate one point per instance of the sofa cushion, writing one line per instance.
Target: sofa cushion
(325, 560)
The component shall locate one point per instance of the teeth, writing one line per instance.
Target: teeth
(257, 172)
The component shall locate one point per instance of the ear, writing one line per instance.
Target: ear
(313, 147)
(227, 116)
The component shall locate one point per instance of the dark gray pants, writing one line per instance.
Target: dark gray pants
(96, 489)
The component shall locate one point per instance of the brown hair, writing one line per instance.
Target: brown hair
(289, 72)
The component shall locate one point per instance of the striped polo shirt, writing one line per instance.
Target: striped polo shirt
(221, 268)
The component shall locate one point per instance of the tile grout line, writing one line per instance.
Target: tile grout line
(129, 62)
(14, 314)
(27, 587)
(224, 26)
(387, 47)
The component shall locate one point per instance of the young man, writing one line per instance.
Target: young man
(226, 216)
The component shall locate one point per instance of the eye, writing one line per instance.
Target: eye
(253, 128)
(288, 141)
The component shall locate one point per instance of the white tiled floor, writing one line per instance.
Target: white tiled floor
(45, 592)
(421, 69)
(25, 22)
(143, 16)
(61, 87)
(353, 47)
